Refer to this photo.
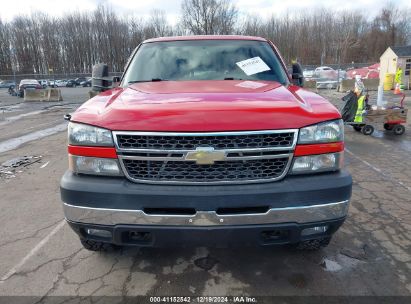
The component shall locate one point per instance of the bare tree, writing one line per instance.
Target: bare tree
(251, 25)
(76, 41)
(6, 59)
(209, 17)
(158, 20)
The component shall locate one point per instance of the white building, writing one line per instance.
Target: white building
(394, 57)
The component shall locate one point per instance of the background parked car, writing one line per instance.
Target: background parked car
(52, 83)
(61, 83)
(86, 83)
(308, 74)
(80, 80)
(43, 83)
(28, 84)
(325, 72)
(12, 90)
(71, 83)
(370, 72)
(7, 84)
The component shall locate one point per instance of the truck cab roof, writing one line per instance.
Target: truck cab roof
(204, 37)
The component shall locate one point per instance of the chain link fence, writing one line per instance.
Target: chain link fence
(342, 66)
(66, 76)
(58, 76)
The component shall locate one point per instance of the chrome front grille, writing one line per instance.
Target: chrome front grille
(205, 158)
(216, 141)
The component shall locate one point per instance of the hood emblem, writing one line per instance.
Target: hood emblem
(205, 155)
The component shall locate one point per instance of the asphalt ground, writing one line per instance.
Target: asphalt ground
(40, 255)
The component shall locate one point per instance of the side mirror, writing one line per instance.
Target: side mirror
(116, 81)
(100, 81)
(297, 75)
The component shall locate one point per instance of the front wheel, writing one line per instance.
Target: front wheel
(398, 129)
(367, 130)
(97, 246)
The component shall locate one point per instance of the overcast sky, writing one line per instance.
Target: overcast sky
(10, 8)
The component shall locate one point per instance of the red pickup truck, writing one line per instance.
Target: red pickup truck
(206, 141)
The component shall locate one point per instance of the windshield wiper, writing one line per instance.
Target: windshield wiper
(232, 78)
(152, 80)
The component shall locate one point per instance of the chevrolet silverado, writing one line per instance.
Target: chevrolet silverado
(207, 140)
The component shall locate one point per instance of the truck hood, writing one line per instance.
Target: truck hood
(226, 105)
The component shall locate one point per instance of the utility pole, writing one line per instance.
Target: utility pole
(13, 64)
(54, 77)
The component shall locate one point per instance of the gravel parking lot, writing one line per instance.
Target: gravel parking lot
(40, 255)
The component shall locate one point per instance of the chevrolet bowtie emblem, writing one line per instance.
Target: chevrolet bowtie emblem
(205, 155)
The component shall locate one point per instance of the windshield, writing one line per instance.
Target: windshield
(205, 60)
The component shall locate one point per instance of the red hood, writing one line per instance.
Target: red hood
(205, 106)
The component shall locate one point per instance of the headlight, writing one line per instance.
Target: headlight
(330, 131)
(85, 135)
(94, 165)
(317, 163)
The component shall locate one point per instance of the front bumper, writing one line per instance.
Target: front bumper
(190, 213)
(213, 236)
(300, 215)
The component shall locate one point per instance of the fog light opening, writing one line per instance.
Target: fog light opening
(140, 236)
(98, 233)
(314, 230)
(273, 235)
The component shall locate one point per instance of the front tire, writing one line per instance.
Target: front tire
(312, 245)
(97, 246)
(398, 129)
(367, 130)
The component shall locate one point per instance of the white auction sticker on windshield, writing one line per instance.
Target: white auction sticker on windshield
(253, 66)
(251, 84)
